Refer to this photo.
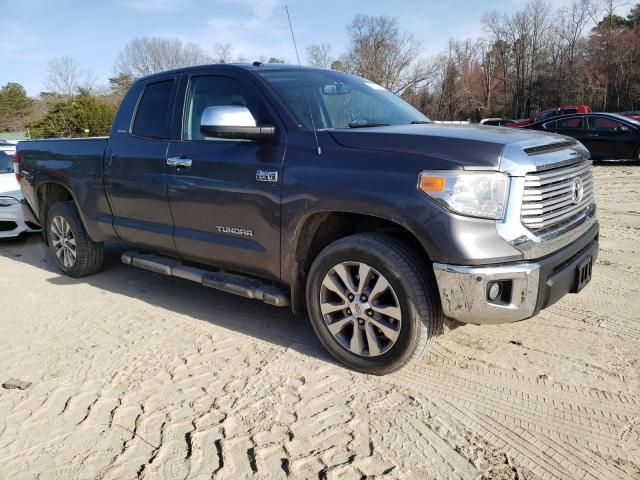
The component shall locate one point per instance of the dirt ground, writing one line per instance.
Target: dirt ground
(135, 375)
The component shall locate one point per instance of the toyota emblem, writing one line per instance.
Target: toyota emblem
(578, 191)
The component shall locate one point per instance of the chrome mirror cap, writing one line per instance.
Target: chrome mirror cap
(227, 116)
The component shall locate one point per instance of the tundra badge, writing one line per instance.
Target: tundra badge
(235, 231)
(267, 175)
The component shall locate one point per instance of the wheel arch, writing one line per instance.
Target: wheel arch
(48, 193)
(319, 229)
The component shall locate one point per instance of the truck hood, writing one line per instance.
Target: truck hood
(466, 145)
(9, 186)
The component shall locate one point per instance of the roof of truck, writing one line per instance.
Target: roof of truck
(234, 66)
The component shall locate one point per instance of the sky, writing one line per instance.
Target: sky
(92, 32)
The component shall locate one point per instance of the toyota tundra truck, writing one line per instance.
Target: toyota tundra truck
(322, 191)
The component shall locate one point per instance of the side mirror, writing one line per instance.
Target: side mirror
(234, 123)
(622, 129)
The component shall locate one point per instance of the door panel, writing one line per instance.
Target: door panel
(609, 143)
(135, 173)
(223, 214)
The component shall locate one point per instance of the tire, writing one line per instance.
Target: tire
(410, 295)
(89, 255)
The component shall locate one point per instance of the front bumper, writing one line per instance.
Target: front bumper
(13, 222)
(532, 285)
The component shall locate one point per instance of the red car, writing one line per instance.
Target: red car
(551, 112)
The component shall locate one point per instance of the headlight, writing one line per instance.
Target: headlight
(476, 194)
(8, 201)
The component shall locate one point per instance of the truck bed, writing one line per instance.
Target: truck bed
(74, 164)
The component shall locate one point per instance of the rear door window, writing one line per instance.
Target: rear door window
(152, 114)
(576, 123)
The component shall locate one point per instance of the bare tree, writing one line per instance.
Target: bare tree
(66, 77)
(147, 55)
(319, 55)
(523, 36)
(564, 49)
(223, 53)
(382, 53)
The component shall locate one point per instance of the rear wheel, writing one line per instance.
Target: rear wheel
(372, 304)
(74, 252)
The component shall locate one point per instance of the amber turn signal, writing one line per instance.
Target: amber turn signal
(432, 184)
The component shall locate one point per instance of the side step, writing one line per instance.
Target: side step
(227, 282)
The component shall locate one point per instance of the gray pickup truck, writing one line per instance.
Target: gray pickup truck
(324, 192)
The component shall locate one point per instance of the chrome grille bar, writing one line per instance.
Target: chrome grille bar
(548, 200)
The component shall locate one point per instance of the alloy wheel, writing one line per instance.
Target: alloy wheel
(63, 241)
(360, 308)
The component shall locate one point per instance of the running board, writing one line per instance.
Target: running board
(226, 282)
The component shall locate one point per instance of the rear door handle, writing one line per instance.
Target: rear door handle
(179, 162)
(108, 160)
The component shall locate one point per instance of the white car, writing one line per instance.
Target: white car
(12, 222)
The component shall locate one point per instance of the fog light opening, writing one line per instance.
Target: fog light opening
(499, 292)
(495, 289)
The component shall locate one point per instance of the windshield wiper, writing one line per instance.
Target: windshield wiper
(367, 125)
(420, 122)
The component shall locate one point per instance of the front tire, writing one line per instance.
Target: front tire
(74, 252)
(372, 303)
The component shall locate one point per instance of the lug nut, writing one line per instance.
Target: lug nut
(348, 311)
(361, 321)
(350, 297)
(370, 313)
(363, 298)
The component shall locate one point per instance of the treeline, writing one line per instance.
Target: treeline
(74, 105)
(539, 56)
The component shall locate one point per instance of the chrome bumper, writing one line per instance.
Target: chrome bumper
(464, 296)
(465, 291)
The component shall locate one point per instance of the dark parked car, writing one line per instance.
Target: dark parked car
(606, 135)
(378, 226)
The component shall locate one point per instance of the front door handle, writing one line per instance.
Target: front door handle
(179, 162)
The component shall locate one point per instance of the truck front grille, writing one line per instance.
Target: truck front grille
(552, 197)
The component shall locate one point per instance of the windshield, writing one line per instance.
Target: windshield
(5, 162)
(340, 100)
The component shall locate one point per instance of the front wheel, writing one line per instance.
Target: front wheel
(74, 252)
(372, 304)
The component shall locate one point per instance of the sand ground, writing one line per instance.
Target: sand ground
(135, 375)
